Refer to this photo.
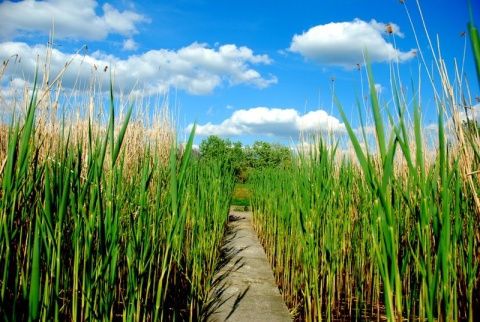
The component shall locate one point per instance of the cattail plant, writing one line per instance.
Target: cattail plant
(98, 224)
(391, 233)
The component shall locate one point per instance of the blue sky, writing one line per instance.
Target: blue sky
(246, 70)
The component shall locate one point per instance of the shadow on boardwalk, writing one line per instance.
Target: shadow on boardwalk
(244, 288)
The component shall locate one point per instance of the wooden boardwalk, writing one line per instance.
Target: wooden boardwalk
(244, 287)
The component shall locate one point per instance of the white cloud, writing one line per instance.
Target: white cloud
(379, 88)
(273, 122)
(129, 45)
(431, 128)
(71, 19)
(11, 93)
(196, 69)
(473, 114)
(344, 43)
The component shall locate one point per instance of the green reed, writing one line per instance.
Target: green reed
(392, 234)
(314, 233)
(90, 232)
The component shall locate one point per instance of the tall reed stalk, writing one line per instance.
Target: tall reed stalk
(91, 231)
(390, 234)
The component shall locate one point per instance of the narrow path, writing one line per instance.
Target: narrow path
(244, 287)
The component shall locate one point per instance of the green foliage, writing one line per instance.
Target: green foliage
(241, 195)
(475, 40)
(471, 128)
(84, 238)
(266, 155)
(393, 234)
(243, 160)
(215, 148)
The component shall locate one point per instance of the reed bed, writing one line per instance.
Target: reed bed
(386, 237)
(104, 220)
(393, 233)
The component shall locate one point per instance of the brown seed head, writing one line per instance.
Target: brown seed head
(389, 28)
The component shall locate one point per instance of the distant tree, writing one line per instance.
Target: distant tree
(236, 155)
(263, 154)
(242, 159)
(223, 150)
(214, 148)
(282, 155)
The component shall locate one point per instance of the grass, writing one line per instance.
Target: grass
(104, 220)
(392, 234)
(387, 237)
(241, 195)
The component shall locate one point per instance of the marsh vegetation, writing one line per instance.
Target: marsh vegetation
(105, 216)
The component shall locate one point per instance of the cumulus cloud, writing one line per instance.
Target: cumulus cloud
(9, 95)
(196, 69)
(473, 114)
(431, 128)
(75, 19)
(273, 122)
(129, 45)
(344, 43)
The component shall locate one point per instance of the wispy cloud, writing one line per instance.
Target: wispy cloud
(344, 43)
(75, 19)
(272, 122)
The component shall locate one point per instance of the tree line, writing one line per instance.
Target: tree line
(245, 159)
